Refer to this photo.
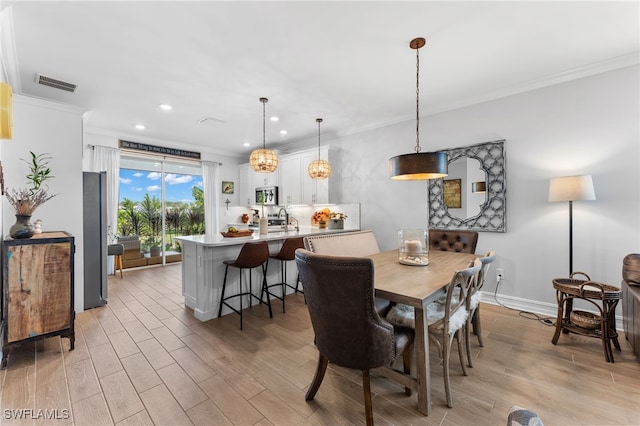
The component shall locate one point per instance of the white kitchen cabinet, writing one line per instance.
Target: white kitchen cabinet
(300, 188)
(249, 180)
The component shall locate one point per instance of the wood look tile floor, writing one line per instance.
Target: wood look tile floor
(144, 359)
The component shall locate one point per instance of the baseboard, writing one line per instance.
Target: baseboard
(534, 306)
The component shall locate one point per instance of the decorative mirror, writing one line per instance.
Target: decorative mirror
(474, 194)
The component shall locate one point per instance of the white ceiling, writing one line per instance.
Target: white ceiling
(347, 62)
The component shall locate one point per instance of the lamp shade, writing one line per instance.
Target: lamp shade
(418, 166)
(263, 160)
(6, 111)
(479, 186)
(571, 188)
(319, 169)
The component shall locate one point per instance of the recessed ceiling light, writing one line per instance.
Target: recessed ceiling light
(140, 126)
(274, 118)
(283, 132)
(166, 107)
(246, 144)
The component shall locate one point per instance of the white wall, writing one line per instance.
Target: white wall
(47, 127)
(586, 126)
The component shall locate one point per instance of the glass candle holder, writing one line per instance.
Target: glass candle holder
(413, 247)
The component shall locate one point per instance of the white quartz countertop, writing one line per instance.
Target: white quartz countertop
(220, 241)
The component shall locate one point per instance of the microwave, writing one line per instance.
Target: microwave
(267, 195)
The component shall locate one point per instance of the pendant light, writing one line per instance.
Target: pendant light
(421, 165)
(263, 160)
(319, 169)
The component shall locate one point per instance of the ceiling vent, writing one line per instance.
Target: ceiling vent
(210, 120)
(55, 83)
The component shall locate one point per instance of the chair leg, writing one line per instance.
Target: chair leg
(460, 339)
(265, 289)
(477, 327)
(323, 361)
(406, 366)
(368, 407)
(467, 341)
(242, 296)
(118, 264)
(224, 286)
(445, 371)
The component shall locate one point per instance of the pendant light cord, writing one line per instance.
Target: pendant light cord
(417, 148)
(264, 119)
(319, 120)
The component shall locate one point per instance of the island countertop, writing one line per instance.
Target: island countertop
(220, 241)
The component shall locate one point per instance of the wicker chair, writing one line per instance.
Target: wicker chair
(348, 330)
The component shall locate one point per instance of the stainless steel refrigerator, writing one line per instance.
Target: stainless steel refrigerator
(95, 238)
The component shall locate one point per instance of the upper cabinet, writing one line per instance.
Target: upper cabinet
(249, 180)
(292, 178)
(297, 186)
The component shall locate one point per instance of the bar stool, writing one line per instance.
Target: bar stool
(287, 253)
(251, 256)
(116, 250)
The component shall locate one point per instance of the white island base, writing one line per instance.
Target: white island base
(203, 270)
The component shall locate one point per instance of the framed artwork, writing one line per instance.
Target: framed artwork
(452, 193)
(227, 187)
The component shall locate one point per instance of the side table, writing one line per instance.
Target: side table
(604, 297)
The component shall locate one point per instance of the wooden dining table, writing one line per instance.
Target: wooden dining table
(416, 286)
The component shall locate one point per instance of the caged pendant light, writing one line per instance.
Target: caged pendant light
(319, 169)
(263, 160)
(421, 165)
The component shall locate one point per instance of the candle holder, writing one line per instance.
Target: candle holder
(413, 247)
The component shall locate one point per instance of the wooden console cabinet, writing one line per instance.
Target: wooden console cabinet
(37, 289)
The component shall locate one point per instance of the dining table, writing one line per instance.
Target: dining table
(416, 286)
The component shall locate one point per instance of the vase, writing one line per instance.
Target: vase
(336, 224)
(22, 228)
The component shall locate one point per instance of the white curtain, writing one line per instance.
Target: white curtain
(105, 159)
(211, 188)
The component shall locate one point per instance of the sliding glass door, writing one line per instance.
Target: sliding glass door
(160, 199)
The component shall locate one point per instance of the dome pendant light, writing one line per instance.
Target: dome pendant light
(421, 165)
(319, 169)
(263, 160)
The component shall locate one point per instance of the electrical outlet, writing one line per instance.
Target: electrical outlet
(500, 274)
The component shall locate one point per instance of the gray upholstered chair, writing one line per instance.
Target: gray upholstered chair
(116, 250)
(348, 330)
(458, 241)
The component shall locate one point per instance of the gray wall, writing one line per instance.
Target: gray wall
(586, 126)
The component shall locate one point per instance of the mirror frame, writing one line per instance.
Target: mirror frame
(493, 213)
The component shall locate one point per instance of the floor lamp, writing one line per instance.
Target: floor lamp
(571, 188)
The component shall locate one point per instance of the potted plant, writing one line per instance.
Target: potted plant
(26, 200)
(336, 220)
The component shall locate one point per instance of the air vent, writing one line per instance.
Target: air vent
(55, 83)
(210, 120)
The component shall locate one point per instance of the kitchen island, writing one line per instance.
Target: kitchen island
(203, 270)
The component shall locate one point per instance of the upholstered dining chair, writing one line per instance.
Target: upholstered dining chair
(473, 305)
(348, 330)
(453, 240)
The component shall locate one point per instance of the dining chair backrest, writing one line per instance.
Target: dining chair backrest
(457, 290)
(340, 297)
(486, 261)
(453, 240)
(359, 243)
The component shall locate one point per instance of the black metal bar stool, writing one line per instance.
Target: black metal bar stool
(251, 256)
(287, 253)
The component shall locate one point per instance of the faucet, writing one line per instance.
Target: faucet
(286, 217)
(297, 225)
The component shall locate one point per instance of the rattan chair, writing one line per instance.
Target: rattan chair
(348, 330)
(252, 255)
